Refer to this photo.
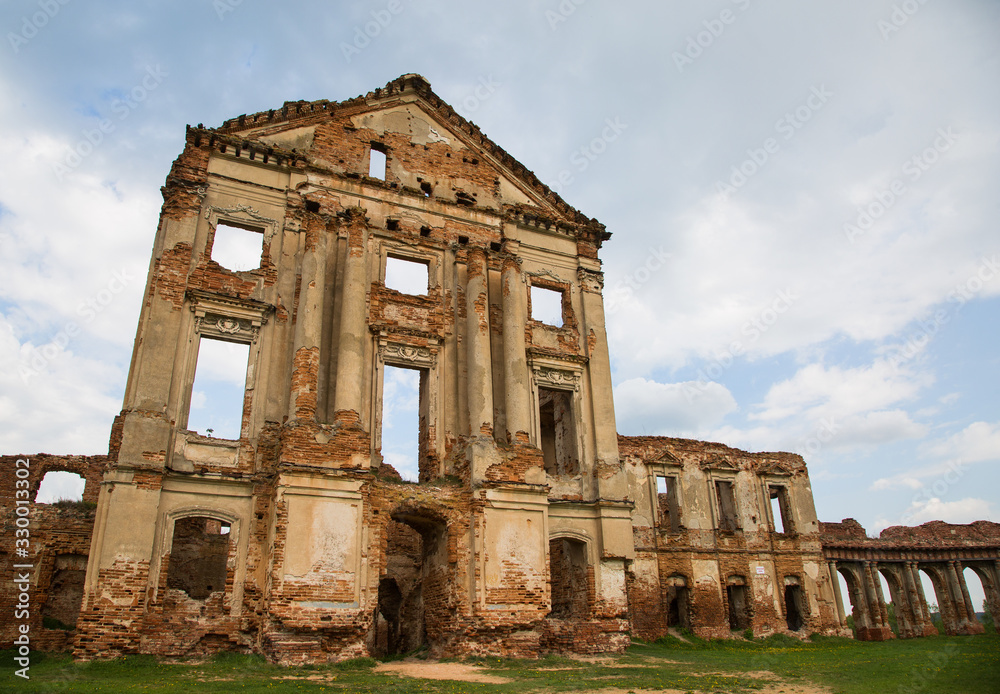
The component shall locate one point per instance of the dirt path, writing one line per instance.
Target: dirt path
(433, 670)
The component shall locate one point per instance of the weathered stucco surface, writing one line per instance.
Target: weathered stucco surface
(534, 526)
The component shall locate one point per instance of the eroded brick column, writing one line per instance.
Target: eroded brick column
(882, 607)
(477, 346)
(353, 324)
(841, 614)
(517, 388)
(309, 322)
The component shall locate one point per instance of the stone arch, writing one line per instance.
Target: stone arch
(991, 589)
(855, 595)
(946, 610)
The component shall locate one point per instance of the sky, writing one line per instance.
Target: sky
(802, 196)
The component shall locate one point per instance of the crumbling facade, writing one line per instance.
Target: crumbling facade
(942, 551)
(533, 526)
(726, 541)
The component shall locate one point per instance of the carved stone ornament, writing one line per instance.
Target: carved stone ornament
(546, 273)
(220, 325)
(237, 209)
(591, 280)
(394, 353)
(228, 325)
(545, 376)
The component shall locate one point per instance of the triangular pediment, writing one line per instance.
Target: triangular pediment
(426, 140)
(773, 467)
(718, 462)
(668, 458)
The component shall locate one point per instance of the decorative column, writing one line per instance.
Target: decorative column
(477, 345)
(955, 593)
(973, 623)
(517, 382)
(309, 322)
(594, 334)
(882, 607)
(353, 328)
(970, 610)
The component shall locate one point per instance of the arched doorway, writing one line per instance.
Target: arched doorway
(415, 606)
(794, 604)
(678, 606)
(569, 578)
(738, 602)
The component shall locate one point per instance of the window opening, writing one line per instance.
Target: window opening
(405, 442)
(198, 556)
(780, 509)
(377, 161)
(407, 276)
(217, 394)
(728, 521)
(236, 248)
(59, 485)
(425, 186)
(568, 573)
(558, 432)
(667, 504)
(546, 306)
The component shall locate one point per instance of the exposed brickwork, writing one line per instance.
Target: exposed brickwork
(504, 547)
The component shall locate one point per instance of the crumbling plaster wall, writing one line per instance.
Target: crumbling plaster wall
(705, 556)
(301, 489)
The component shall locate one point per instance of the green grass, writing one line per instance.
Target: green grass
(962, 665)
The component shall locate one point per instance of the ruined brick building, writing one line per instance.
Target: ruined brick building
(534, 527)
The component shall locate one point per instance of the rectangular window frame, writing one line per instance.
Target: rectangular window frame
(432, 260)
(237, 321)
(674, 520)
(780, 490)
(721, 522)
(551, 374)
(429, 436)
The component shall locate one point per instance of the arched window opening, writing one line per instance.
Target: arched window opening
(59, 485)
(198, 556)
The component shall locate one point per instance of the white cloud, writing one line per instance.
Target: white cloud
(978, 442)
(880, 427)
(651, 408)
(840, 392)
(962, 511)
